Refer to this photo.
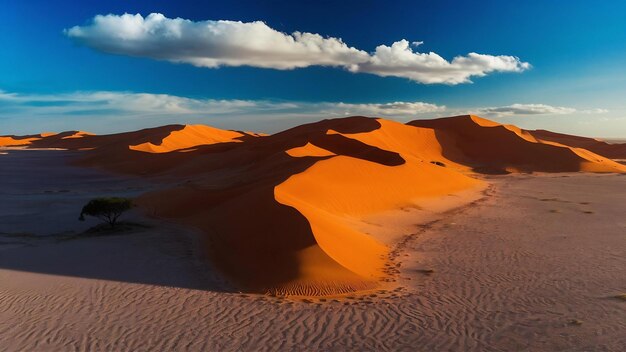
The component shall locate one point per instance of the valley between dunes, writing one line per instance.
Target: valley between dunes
(293, 213)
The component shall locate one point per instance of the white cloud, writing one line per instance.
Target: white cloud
(534, 109)
(232, 43)
(213, 43)
(128, 104)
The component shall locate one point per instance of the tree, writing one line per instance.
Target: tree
(106, 209)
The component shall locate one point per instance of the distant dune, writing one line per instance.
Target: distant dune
(489, 147)
(188, 137)
(284, 213)
(613, 150)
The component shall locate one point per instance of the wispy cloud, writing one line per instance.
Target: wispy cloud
(533, 109)
(232, 43)
(133, 110)
(397, 109)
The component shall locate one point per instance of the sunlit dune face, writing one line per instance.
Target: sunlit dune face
(14, 142)
(334, 192)
(308, 150)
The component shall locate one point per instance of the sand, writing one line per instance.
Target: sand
(534, 263)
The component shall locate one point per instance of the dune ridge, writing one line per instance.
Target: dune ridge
(284, 214)
(188, 137)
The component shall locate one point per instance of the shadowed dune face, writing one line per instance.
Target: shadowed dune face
(284, 213)
(489, 147)
(613, 151)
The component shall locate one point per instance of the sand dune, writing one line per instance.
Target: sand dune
(15, 141)
(286, 213)
(42, 140)
(490, 147)
(188, 137)
(609, 150)
(284, 210)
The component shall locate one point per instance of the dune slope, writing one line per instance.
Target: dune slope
(489, 147)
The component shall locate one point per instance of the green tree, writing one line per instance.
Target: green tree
(106, 209)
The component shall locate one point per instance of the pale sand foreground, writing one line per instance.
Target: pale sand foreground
(511, 272)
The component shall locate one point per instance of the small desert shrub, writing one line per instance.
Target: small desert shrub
(106, 209)
(438, 163)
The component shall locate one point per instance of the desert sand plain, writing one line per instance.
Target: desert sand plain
(340, 235)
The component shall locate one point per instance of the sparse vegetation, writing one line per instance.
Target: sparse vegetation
(106, 209)
(438, 163)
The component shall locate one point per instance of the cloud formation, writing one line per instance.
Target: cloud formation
(399, 60)
(232, 43)
(534, 109)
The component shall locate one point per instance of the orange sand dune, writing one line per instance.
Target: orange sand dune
(284, 213)
(42, 140)
(126, 152)
(11, 141)
(190, 136)
(489, 147)
(19, 141)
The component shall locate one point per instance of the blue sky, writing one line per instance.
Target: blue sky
(55, 79)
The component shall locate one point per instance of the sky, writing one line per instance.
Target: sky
(112, 66)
